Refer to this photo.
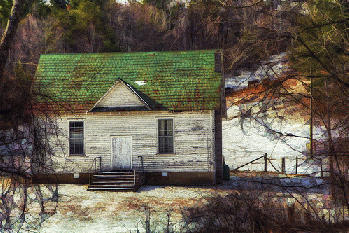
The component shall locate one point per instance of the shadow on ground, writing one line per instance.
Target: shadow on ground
(277, 184)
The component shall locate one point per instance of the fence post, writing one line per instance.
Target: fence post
(168, 222)
(322, 171)
(266, 162)
(296, 165)
(147, 220)
(291, 213)
(283, 165)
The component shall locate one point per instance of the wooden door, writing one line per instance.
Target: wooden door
(121, 152)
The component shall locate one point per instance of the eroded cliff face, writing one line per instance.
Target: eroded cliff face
(245, 140)
(260, 121)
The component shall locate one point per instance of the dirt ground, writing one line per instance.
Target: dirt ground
(83, 211)
(161, 206)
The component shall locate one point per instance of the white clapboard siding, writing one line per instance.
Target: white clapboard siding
(120, 96)
(193, 140)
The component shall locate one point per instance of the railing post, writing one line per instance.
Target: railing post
(142, 165)
(283, 165)
(266, 162)
(134, 177)
(141, 170)
(100, 163)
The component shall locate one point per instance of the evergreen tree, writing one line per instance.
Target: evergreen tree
(321, 44)
(81, 27)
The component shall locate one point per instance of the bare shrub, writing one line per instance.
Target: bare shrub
(256, 212)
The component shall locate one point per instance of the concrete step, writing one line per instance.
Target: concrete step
(116, 172)
(113, 189)
(113, 176)
(115, 181)
(111, 185)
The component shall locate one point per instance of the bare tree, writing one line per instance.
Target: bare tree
(24, 152)
(9, 33)
(24, 147)
(315, 36)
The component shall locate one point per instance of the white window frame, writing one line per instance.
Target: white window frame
(83, 137)
(171, 136)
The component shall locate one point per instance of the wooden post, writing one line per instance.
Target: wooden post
(321, 169)
(283, 165)
(147, 220)
(266, 162)
(296, 165)
(291, 213)
(168, 222)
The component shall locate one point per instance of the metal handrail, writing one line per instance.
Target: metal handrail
(100, 162)
(142, 163)
(140, 169)
(94, 164)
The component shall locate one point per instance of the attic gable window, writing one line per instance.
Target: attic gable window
(165, 136)
(76, 138)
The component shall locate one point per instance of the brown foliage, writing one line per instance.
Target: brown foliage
(246, 212)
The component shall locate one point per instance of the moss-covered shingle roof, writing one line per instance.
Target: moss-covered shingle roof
(176, 81)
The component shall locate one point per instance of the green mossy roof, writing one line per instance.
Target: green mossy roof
(174, 80)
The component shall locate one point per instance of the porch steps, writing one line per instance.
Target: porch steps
(120, 181)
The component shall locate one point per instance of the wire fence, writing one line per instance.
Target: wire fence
(286, 165)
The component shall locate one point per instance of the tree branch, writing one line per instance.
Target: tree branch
(9, 34)
(326, 24)
(247, 6)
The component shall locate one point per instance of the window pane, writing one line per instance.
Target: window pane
(77, 133)
(166, 127)
(76, 124)
(161, 145)
(169, 144)
(169, 124)
(162, 128)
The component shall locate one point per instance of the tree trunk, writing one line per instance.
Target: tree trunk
(9, 35)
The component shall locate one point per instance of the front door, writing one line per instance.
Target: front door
(121, 152)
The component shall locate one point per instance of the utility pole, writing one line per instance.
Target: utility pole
(311, 117)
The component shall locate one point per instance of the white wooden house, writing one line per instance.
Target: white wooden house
(159, 112)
